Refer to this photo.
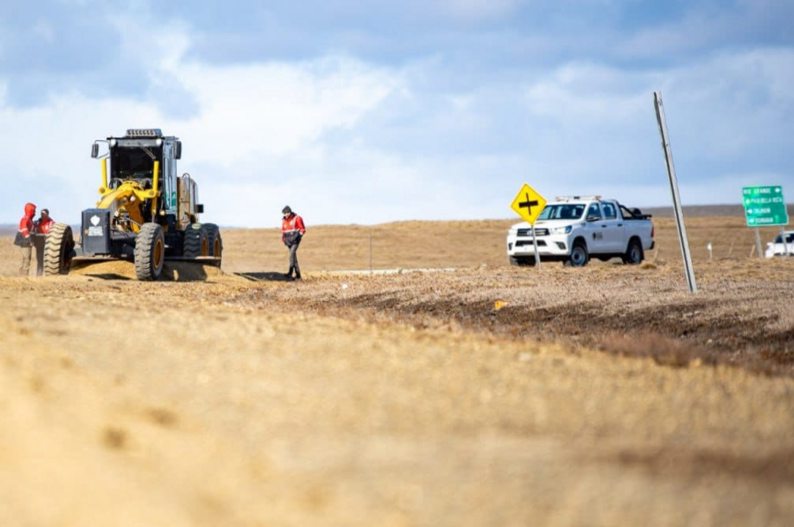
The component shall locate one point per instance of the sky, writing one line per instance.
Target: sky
(373, 111)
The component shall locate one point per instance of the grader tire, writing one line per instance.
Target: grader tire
(58, 250)
(149, 252)
(214, 239)
(196, 241)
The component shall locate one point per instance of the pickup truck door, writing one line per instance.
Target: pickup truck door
(595, 230)
(615, 228)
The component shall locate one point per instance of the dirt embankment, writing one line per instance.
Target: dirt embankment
(742, 315)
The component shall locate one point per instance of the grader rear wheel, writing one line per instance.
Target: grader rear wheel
(149, 252)
(58, 250)
(197, 242)
(215, 241)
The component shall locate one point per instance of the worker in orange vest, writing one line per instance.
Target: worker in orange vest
(292, 231)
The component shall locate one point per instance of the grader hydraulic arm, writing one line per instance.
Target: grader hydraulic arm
(127, 200)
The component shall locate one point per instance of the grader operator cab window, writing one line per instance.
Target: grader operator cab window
(133, 163)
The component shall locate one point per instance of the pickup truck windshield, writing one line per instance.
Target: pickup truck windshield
(562, 211)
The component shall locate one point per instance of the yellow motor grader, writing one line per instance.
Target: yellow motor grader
(145, 213)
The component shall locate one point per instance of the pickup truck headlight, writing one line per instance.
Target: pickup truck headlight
(561, 230)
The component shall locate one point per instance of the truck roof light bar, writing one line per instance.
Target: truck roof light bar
(578, 198)
(144, 132)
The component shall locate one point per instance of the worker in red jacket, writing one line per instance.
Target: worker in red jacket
(292, 231)
(44, 224)
(23, 238)
(41, 228)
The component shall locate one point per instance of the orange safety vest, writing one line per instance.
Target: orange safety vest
(292, 226)
(44, 227)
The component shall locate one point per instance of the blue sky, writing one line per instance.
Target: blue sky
(365, 112)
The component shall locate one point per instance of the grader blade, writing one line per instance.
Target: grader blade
(215, 261)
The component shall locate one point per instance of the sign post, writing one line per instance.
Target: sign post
(679, 213)
(764, 206)
(529, 204)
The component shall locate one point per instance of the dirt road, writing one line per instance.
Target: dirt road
(486, 396)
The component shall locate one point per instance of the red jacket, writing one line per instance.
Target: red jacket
(26, 223)
(44, 226)
(291, 227)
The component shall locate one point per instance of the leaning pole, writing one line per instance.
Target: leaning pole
(679, 213)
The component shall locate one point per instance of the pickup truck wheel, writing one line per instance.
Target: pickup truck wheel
(579, 256)
(634, 254)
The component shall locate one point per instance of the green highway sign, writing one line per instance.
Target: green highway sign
(764, 206)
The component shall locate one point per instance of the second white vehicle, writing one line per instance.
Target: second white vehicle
(778, 248)
(574, 229)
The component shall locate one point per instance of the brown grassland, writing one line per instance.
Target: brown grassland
(472, 393)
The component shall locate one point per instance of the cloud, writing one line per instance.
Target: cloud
(477, 9)
(349, 142)
(707, 26)
(276, 109)
(727, 117)
(445, 124)
(252, 127)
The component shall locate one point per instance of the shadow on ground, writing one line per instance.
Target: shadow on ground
(107, 276)
(265, 277)
(118, 269)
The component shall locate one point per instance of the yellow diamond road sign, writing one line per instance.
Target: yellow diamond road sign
(528, 204)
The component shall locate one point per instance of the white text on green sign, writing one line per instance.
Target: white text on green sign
(764, 206)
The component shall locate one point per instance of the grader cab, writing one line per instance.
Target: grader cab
(145, 213)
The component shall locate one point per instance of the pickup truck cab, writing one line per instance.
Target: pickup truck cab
(574, 229)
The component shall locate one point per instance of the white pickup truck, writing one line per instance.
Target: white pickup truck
(573, 229)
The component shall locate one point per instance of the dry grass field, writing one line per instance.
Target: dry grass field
(473, 394)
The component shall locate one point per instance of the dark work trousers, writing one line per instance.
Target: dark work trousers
(38, 243)
(293, 259)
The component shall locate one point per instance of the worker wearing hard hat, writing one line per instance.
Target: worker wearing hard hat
(292, 231)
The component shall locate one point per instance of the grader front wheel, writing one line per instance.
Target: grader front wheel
(58, 250)
(149, 252)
